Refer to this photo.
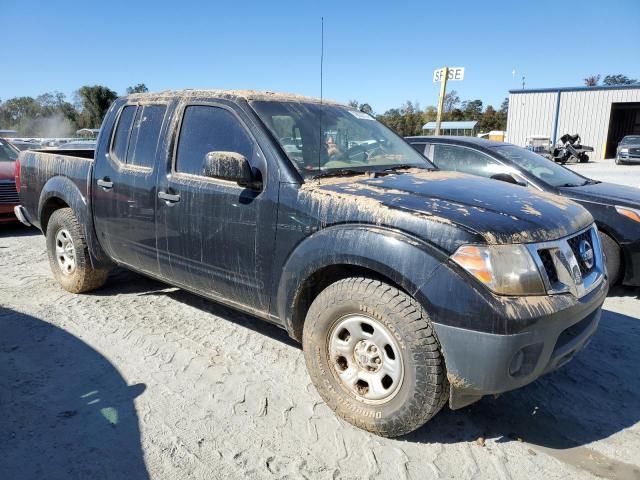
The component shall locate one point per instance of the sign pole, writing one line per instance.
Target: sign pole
(443, 88)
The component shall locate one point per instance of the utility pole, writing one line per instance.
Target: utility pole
(443, 89)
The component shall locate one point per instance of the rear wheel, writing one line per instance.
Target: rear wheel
(613, 257)
(373, 356)
(69, 256)
(584, 158)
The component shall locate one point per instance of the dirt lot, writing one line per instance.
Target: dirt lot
(608, 171)
(139, 380)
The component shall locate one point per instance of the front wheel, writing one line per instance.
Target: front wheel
(373, 356)
(69, 256)
(613, 257)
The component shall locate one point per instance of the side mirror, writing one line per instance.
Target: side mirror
(231, 166)
(506, 177)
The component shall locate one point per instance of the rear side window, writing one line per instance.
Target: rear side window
(209, 129)
(121, 135)
(145, 134)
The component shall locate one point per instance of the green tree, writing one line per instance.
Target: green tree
(618, 80)
(366, 108)
(472, 109)
(95, 101)
(139, 88)
(451, 102)
(592, 80)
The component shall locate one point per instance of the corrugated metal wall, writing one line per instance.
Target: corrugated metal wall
(530, 114)
(588, 113)
(581, 111)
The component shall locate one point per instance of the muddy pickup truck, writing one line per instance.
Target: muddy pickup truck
(407, 286)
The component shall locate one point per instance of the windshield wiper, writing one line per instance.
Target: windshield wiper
(339, 172)
(570, 185)
(405, 167)
(591, 182)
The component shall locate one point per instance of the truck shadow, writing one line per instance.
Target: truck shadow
(66, 411)
(125, 281)
(621, 291)
(591, 398)
(17, 230)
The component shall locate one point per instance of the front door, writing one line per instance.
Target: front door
(125, 188)
(212, 233)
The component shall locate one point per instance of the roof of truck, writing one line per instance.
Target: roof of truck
(247, 95)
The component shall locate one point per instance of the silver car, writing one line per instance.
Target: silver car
(628, 150)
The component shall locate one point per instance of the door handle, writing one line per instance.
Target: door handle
(105, 183)
(169, 197)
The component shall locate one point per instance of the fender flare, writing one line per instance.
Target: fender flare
(62, 188)
(404, 259)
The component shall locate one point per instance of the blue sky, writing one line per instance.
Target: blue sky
(379, 52)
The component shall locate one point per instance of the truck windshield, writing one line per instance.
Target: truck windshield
(542, 168)
(321, 139)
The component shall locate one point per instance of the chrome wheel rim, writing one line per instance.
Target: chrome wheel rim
(366, 358)
(65, 252)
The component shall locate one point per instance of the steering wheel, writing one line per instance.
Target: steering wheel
(363, 148)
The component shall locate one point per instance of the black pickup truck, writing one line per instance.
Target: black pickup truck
(407, 286)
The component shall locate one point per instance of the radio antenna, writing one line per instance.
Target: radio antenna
(321, 92)
(321, 54)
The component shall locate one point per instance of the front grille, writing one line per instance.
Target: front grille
(549, 267)
(574, 243)
(562, 267)
(634, 151)
(8, 193)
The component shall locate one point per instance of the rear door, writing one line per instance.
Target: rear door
(125, 187)
(215, 236)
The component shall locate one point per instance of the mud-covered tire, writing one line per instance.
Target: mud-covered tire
(423, 389)
(613, 258)
(63, 226)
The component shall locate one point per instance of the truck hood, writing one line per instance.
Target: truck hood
(497, 212)
(7, 170)
(605, 193)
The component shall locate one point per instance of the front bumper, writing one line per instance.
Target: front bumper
(481, 363)
(6, 213)
(628, 158)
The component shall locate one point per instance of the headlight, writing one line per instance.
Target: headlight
(631, 213)
(624, 150)
(504, 269)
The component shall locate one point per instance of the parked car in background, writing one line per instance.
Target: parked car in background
(8, 193)
(26, 144)
(615, 208)
(407, 286)
(78, 145)
(628, 150)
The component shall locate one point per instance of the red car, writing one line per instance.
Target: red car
(8, 193)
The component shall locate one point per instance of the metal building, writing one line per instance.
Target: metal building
(601, 115)
(461, 128)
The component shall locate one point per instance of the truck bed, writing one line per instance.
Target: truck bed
(47, 172)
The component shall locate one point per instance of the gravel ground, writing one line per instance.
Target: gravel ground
(139, 380)
(608, 171)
